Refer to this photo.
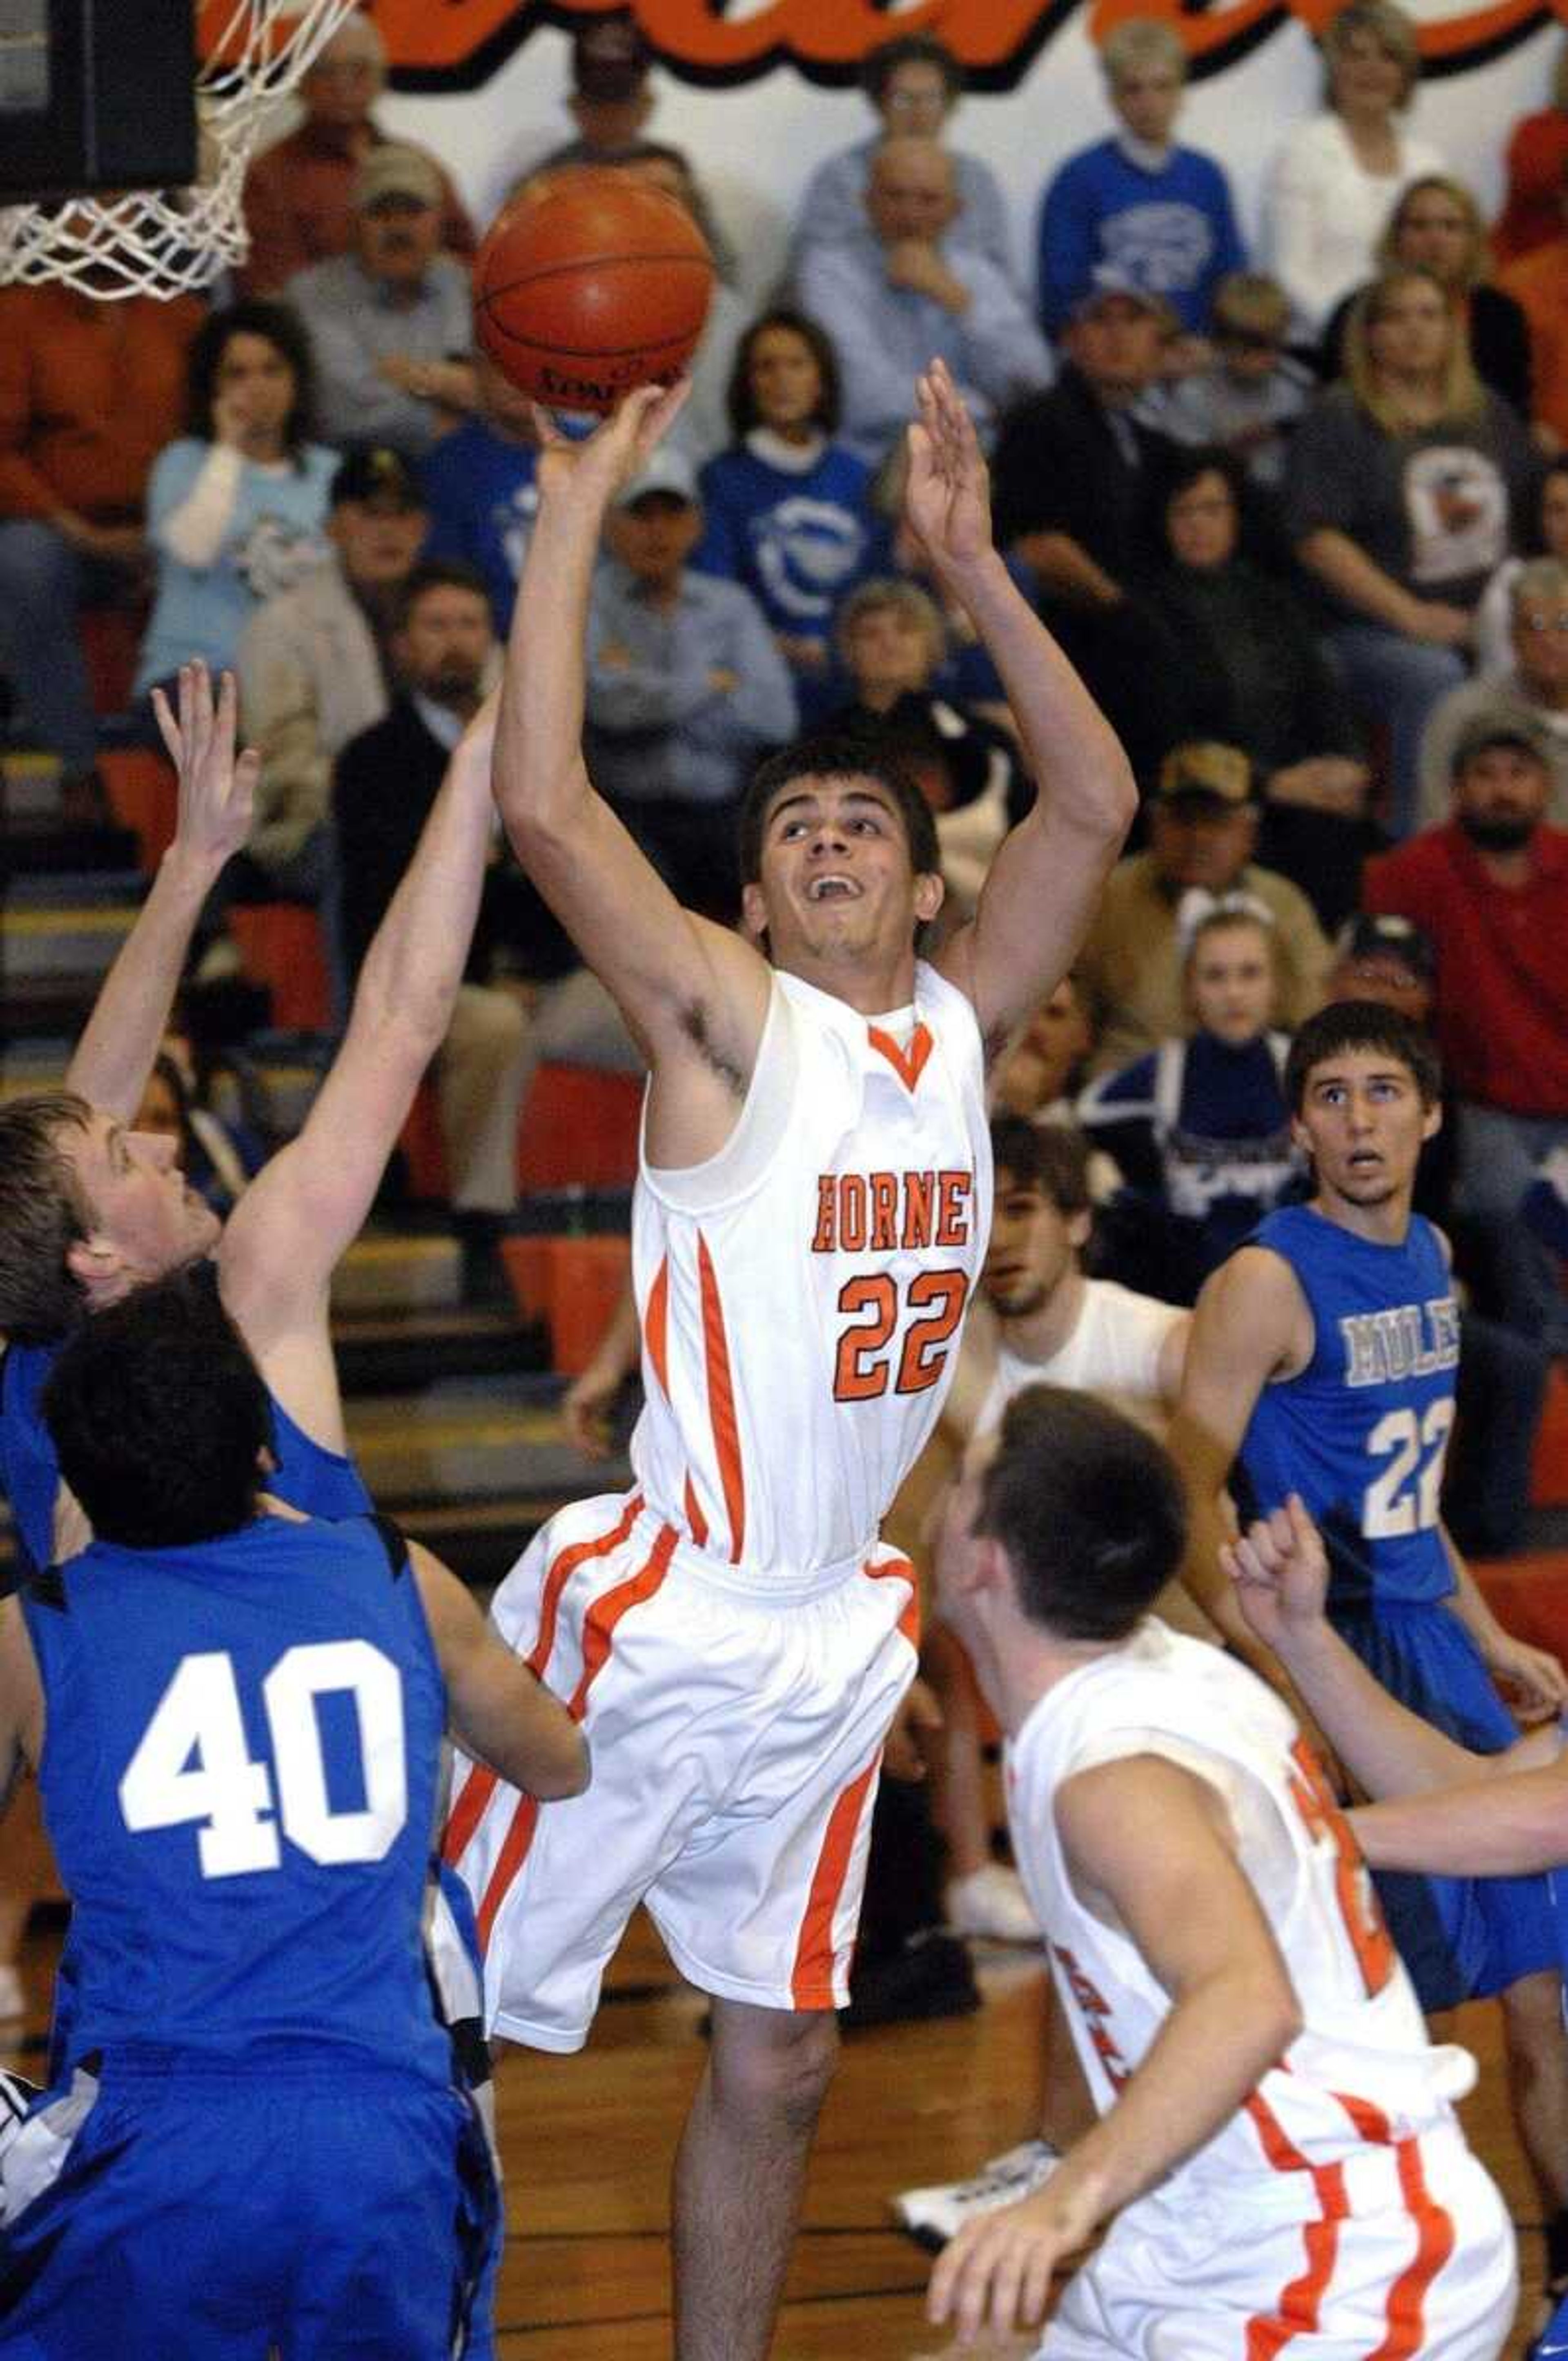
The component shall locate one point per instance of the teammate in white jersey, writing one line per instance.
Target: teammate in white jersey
(1277, 2155)
(1042, 1320)
(1441, 1806)
(812, 1210)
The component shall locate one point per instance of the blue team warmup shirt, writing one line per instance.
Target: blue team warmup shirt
(798, 538)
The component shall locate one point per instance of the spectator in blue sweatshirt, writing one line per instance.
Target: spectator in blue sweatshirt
(479, 488)
(1159, 215)
(787, 508)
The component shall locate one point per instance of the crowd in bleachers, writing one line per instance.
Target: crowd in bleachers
(1295, 514)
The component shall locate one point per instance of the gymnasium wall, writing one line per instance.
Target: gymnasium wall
(760, 90)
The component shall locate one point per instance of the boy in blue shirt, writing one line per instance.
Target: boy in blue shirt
(1160, 214)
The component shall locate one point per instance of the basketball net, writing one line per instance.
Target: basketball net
(170, 242)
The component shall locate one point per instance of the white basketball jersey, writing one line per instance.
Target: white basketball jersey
(1363, 2068)
(801, 1293)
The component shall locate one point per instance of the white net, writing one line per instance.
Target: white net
(170, 242)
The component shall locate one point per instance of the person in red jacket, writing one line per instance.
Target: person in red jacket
(1490, 889)
(1538, 152)
(90, 392)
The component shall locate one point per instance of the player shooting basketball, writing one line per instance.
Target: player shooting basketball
(811, 1215)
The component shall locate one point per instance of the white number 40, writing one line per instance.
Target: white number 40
(194, 1762)
(1393, 1504)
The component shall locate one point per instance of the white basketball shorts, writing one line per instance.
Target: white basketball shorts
(1420, 2262)
(736, 1735)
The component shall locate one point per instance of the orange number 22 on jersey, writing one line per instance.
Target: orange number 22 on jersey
(871, 1306)
(1369, 1940)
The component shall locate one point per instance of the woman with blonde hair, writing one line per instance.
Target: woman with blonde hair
(1199, 1126)
(1437, 226)
(1409, 484)
(1333, 177)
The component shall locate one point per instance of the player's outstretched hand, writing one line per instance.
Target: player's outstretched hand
(997, 2271)
(1534, 1680)
(906, 1752)
(586, 1408)
(594, 469)
(1280, 1572)
(217, 793)
(948, 499)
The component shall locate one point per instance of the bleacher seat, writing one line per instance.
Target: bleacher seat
(571, 1283)
(281, 946)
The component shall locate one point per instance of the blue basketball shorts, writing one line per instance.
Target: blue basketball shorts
(174, 2211)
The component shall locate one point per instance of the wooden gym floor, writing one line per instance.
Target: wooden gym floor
(589, 2140)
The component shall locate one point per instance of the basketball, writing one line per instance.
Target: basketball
(590, 287)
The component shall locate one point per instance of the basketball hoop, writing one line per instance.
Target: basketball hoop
(170, 242)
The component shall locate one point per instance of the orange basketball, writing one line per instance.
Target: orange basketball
(591, 286)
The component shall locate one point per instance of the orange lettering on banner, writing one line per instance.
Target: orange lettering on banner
(986, 35)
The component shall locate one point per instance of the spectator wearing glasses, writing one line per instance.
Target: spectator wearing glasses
(913, 82)
(1532, 691)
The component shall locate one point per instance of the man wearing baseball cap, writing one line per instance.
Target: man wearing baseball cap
(298, 194)
(1203, 819)
(1073, 473)
(315, 666)
(390, 322)
(686, 689)
(1490, 888)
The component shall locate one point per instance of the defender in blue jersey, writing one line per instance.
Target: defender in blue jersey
(1322, 1357)
(256, 2142)
(89, 1209)
(1442, 1808)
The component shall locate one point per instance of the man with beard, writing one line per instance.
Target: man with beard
(385, 782)
(1490, 890)
(1323, 1358)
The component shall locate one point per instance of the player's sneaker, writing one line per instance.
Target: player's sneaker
(932, 2216)
(991, 1902)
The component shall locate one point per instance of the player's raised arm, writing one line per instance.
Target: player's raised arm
(690, 991)
(217, 795)
(498, 1712)
(1039, 897)
(299, 1214)
(1279, 1571)
(1153, 1839)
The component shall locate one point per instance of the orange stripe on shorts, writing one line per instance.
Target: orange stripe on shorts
(1299, 2306)
(909, 1620)
(811, 1985)
(480, 1785)
(599, 1634)
(1434, 2244)
(721, 1403)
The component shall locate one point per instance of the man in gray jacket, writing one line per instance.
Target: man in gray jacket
(314, 669)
